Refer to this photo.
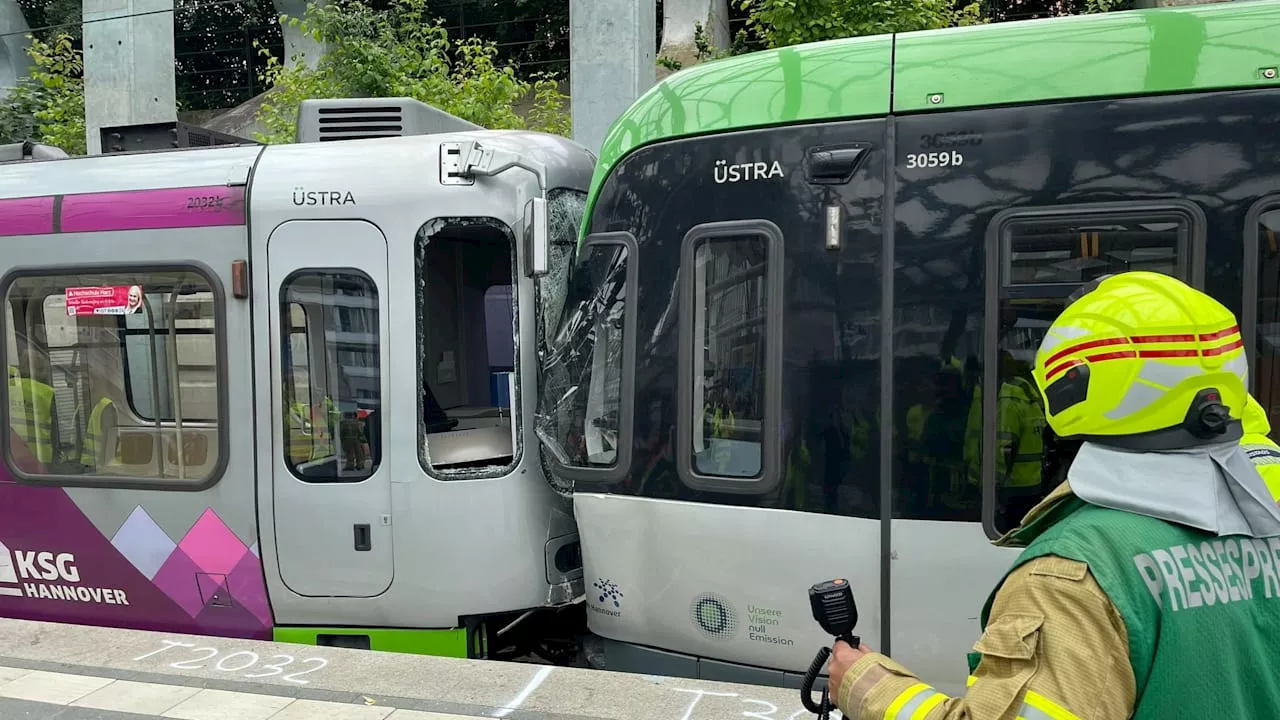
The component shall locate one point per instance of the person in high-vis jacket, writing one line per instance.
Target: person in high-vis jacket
(309, 430)
(1149, 586)
(92, 453)
(1020, 439)
(31, 414)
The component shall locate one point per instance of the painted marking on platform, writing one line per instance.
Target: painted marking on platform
(538, 678)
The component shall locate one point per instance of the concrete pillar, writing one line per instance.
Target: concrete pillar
(612, 59)
(128, 65)
(14, 61)
(680, 19)
(295, 41)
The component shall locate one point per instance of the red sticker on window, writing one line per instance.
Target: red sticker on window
(105, 300)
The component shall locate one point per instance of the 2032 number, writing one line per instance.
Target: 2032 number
(946, 158)
(204, 202)
(237, 661)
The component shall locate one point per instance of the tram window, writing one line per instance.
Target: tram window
(194, 349)
(467, 348)
(584, 416)
(1043, 261)
(86, 355)
(730, 331)
(1075, 250)
(333, 392)
(1267, 355)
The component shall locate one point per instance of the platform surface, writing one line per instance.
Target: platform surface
(75, 672)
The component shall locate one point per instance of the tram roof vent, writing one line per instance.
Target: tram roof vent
(360, 118)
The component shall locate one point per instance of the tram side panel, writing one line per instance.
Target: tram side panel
(126, 492)
(999, 214)
(756, 383)
(402, 304)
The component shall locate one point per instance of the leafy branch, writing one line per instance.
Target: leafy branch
(402, 52)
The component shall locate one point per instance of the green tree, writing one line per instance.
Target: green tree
(789, 22)
(48, 105)
(48, 19)
(403, 52)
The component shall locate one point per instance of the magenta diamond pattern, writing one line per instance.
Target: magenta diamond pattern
(211, 545)
(209, 571)
(177, 579)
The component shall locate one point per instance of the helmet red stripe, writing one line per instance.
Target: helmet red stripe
(1068, 364)
(1144, 339)
(1212, 352)
(1209, 337)
(1073, 349)
(1117, 355)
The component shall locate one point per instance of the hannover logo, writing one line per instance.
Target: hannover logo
(607, 594)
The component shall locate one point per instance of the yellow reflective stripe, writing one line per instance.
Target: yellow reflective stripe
(927, 706)
(905, 707)
(1036, 706)
(1036, 701)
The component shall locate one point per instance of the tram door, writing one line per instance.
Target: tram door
(328, 308)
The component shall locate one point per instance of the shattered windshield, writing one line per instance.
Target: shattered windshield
(565, 209)
(579, 411)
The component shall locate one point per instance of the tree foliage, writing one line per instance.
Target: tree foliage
(404, 52)
(789, 22)
(215, 66)
(48, 105)
(49, 19)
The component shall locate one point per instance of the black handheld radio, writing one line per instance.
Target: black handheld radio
(837, 613)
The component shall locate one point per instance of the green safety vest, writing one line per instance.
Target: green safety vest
(718, 423)
(1201, 612)
(917, 415)
(860, 434)
(1020, 420)
(31, 414)
(93, 435)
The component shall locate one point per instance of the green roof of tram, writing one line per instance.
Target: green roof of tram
(1137, 52)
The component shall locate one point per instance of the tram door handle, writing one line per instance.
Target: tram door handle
(364, 540)
(834, 164)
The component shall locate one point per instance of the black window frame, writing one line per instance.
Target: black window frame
(770, 476)
(1190, 263)
(621, 468)
(282, 303)
(222, 422)
(1250, 285)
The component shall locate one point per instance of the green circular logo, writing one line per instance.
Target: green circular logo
(714, 616)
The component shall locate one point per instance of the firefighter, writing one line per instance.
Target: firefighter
(1143, 590)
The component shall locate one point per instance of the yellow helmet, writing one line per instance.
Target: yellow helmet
(1255, 418)
(1146, 362)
